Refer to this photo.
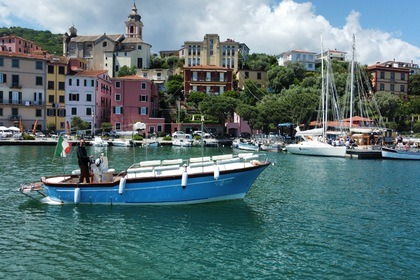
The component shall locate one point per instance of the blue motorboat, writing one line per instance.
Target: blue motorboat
(156, 182)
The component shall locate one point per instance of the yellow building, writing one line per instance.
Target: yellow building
(212, 51)
(22, 90)
(259, 77)
(390, 77)
(57, 69)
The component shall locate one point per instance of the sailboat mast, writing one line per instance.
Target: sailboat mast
(327, 85)
(352, 83)
(322, 88)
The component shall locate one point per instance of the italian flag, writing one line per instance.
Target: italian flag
(63, 147)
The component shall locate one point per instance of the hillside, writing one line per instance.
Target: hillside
(52, 43)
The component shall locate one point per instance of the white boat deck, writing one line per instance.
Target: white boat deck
(158, 168)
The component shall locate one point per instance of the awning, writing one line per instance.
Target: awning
(285, 124)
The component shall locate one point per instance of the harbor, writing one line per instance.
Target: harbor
(303, 217)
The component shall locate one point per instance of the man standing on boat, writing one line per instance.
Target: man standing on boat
(83, 161)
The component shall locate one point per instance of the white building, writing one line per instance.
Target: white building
(307, 59)
(111, 52)
(88, 96)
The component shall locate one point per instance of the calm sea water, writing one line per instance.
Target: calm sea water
(304, 218)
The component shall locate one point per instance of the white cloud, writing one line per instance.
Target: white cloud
(265, 27)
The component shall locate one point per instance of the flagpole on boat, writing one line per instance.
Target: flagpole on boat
(202, 137)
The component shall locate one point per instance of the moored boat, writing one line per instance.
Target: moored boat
(156, 182)
(184, 140)
(122, 143)
(316, 148)
(408, 154)
(98, 142)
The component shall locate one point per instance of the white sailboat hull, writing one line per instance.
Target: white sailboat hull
(316, 148)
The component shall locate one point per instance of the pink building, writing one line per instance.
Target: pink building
(17, 44)
(135, 99)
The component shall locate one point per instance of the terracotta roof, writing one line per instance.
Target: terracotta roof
(207, 67)
(58, 59)
(358, 119)
(331, 123)
(92, 38)
(24, 55)
(89, 73)
(132, 77)
(129, 40)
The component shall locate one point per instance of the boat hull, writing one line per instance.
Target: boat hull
(199, 188)
(315, 148)
(390, 153)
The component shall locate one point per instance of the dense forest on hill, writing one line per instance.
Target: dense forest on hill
(49, 42)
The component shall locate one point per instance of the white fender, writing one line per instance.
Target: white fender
(76, 195)
(184, 178)
(216, 172)
(121, 187)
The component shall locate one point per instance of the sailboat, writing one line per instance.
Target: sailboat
(365, 123)
(315, 141)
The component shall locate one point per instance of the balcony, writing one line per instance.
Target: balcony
(14, 117)
(15, 85)
(21, 102)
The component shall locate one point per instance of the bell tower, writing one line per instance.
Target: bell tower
(134, 26)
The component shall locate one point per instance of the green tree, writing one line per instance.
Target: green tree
(282, 77)
(156, 62)
(51, 126)
(388, 104)
(414, 85)
(251, 93)
(175, 85)
(251, 114)
(259, 62)
(195, 98)
(78, 124)
(218, 107)
(126, 71)
(106, 126)
(52, 43)
(171, 62)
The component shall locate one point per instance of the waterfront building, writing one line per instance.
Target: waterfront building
(88, 96)
(22, 89)
(111, 52)
(57, 69)
(135, 99)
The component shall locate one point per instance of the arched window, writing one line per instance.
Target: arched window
(104, 44)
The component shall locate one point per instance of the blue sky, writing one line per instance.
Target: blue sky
(384, 29)
(399, 17)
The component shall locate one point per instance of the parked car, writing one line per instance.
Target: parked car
(178, 134)
(5, 134)
(17, 136)
(111, 134)
(202, 134)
